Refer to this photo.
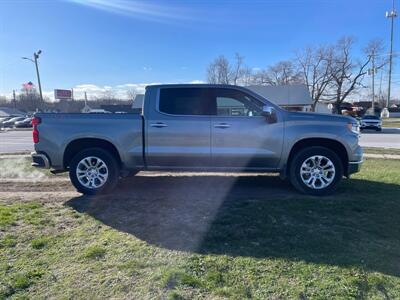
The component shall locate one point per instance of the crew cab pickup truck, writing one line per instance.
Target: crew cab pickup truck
(199, 128)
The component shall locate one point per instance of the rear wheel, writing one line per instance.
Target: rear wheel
(316, 171)
(94, 171)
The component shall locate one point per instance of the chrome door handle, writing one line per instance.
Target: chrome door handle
(222, 125)
(158, 125)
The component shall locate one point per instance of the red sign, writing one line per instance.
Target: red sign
(63, 94)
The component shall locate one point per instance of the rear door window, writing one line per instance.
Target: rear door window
(186, 101)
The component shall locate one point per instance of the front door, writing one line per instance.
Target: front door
(178, 130)
(241, 137)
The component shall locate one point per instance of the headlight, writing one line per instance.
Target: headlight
(354, 127)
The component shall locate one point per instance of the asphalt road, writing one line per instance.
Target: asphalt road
(20, 141)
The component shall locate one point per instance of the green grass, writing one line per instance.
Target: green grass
(395, 122)
(390, 151)
(281, 245)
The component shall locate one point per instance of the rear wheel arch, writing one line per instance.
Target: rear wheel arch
(333, 145)
(78, 145)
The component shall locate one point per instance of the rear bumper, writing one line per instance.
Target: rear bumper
(40, 160)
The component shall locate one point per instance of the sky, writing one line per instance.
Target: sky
(99, 45)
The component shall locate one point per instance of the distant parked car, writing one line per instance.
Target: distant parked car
(26, 123)
(4, 119)
(10, 123)
(371, 122)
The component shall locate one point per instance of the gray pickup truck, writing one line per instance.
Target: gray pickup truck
(217, 128)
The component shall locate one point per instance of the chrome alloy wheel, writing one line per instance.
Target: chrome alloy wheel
(317, 172)
(92, 172)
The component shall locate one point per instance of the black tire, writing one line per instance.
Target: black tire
(379, 129)
(112, 168)
(300, 157)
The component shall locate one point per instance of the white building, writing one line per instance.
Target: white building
(294, 97)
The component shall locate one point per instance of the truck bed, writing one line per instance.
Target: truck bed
(57, 130)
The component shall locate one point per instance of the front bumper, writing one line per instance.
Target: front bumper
(40, 160)
(354, 167)
(371, 126)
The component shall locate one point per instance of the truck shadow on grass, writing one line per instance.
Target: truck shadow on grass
(258, 216)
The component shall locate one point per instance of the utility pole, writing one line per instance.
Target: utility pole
(392, 14)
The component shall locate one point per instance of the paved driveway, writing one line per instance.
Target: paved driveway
(18, 141)
(388, 138)
(15, 141)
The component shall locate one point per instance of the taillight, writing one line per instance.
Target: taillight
(35, 133)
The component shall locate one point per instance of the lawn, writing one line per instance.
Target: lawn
(394, 122)
(208, 237)
(384, 151)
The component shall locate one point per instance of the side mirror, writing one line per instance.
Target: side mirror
(267, 110)
(269, 113)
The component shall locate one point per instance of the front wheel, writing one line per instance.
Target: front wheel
(316, 171)
(94, 171)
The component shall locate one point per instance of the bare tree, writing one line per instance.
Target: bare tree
(315, 66)
(246, 77)
(221, 71)
(237, 71)
(131, 94)
(281, 73)
(218, 71)
(376, 48)
(347, 72)
(108, 94)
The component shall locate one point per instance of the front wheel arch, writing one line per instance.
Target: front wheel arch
(330, 144)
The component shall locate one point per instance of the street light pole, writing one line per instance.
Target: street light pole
(392, 14)
(36, 56)
(35, 61)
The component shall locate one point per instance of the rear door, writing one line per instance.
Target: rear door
(241, 137)
(178, 128)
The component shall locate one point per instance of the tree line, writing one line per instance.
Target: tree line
(331, 72)
(31, 102)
